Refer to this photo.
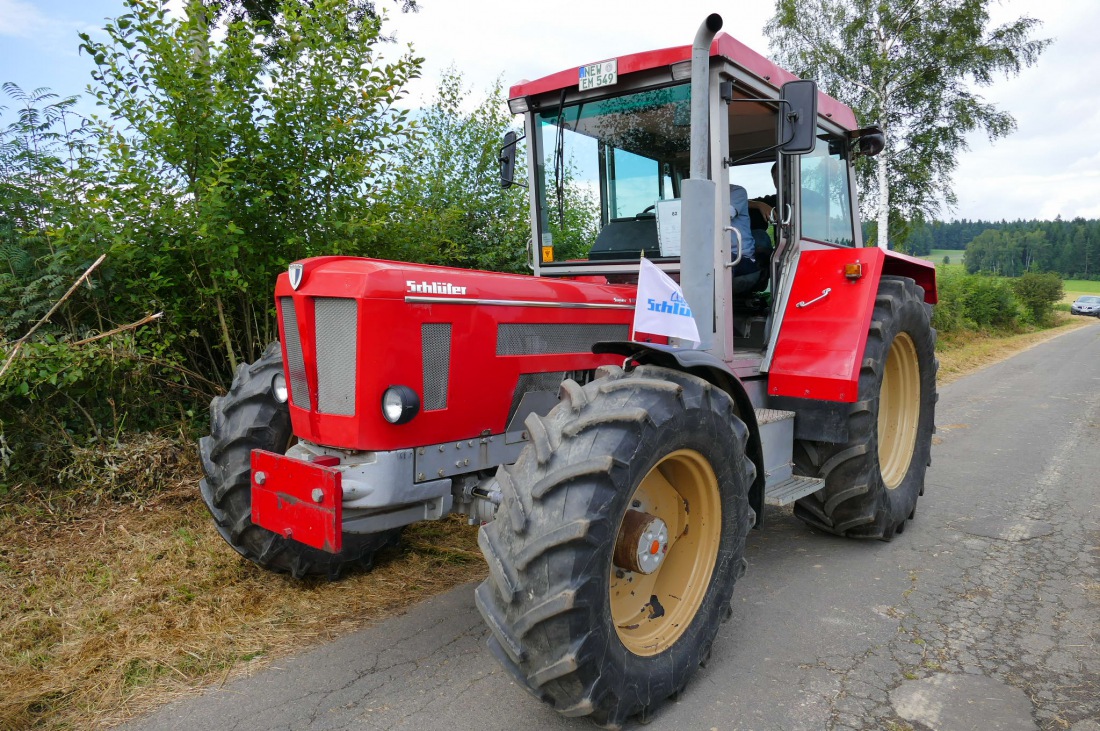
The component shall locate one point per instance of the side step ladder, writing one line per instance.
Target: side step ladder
(781, 486)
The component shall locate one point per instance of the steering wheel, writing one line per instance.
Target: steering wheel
(651, 210)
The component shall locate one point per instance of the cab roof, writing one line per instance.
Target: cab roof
(724, 46)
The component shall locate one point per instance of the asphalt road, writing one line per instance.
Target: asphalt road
(984, 615)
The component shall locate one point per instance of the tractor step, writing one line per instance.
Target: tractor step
(781, 485)
(792, 489)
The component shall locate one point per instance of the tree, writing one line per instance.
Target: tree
(447, 205)
(225, 163)
(45, 171)
(264, 16)
(910, 67)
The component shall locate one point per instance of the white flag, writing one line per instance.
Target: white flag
(661, 308)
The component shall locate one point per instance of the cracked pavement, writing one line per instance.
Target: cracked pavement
(984, 614)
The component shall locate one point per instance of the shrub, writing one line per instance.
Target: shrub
(1038, 293)
(973, 302)
(988, 302)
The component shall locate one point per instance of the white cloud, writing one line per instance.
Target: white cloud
(487, 40)
(1050, 165)
(21, 19)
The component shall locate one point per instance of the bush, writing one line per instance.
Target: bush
(973, 302)
(988, 302)
(61, 402)
(1038, 293)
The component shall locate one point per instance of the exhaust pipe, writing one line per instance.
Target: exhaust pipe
(700, 99)
(697, 257)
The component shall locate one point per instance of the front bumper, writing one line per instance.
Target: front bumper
(314, 495)
(298, 500)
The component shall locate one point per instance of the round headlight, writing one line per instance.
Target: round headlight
(399, 404)
(278, 388)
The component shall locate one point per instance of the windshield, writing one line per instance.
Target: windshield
(603, 166)
(1089, 301)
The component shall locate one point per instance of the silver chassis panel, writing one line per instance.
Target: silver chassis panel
(385, 490)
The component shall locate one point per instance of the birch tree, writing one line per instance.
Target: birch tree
(912, 67)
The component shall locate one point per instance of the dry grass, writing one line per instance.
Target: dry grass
(964, 353)
(112, 609)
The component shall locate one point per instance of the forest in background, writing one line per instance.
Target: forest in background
(1010, 248)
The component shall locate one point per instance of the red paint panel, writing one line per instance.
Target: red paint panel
(920, 271)
(284, 503)
(820, 346)
(724, 45)
(481, 383)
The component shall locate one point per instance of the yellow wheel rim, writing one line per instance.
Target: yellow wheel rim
(652, 611)
(898, 411)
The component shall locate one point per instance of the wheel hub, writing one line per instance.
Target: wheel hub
(642, 543)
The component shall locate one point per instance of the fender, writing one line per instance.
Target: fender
(819, 351)
(920, 271)
(711, 369)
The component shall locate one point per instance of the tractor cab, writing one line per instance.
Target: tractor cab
(609, 148)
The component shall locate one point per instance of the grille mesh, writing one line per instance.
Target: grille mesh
(435, 342)
(552, 338)
(337, 329)
(296, 367)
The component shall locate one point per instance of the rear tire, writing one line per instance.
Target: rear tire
(872, 483)
(573, 627)
(247, 418)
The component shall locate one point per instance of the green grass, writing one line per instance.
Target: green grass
(938, 254)
(955, 255)
(1074, 288)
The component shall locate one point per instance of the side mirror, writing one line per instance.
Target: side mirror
(508, 160)
(871, 141)
(798, 117)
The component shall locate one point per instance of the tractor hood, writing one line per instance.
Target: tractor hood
(468, 343)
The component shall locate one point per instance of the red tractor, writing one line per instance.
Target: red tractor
(616, 473)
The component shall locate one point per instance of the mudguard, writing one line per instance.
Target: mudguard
(713, 370)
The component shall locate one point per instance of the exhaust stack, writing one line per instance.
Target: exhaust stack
(697, 276)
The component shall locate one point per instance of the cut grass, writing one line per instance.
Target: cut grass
(111, 610)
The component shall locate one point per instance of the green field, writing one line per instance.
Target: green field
(956, 256)
(1077, 287)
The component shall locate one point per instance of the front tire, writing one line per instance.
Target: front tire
(577, 614)
(873, 481)
(247, 418)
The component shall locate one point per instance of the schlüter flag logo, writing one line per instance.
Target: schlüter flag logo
(661, 308)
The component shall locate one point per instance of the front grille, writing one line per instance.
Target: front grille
(295, 366)
(435, 343)
(555, 338)
(337, 324)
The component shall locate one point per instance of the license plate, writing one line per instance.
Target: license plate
(595, 75)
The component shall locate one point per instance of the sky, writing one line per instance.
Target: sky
(1050, 166)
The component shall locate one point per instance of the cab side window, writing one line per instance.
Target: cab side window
(826, 202)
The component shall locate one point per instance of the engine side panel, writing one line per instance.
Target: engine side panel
(467, 342)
